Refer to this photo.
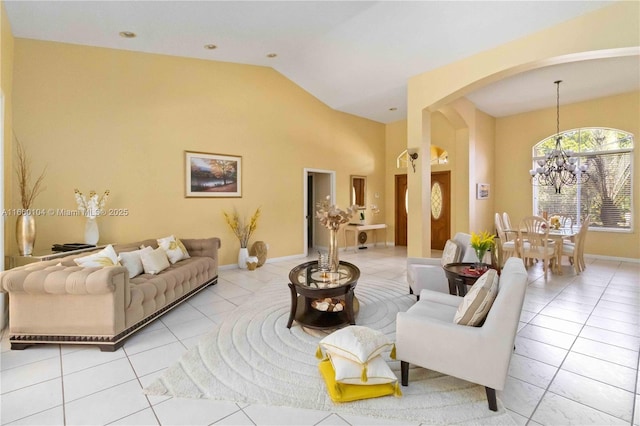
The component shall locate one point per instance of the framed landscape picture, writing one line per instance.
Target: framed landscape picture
(213, 175)
(482, 191)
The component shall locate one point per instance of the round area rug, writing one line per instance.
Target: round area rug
(252, 357)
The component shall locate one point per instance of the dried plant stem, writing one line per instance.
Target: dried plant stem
(28, 192)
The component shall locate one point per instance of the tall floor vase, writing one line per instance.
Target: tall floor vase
(91, 232)
(334, 262)
(26, 234)
(243, 254)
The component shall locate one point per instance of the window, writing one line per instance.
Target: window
(607, 195)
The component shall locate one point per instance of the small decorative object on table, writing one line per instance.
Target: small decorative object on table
(91, 208)
(243, 232)
(332, 217)
(480, 244)
(554, 222)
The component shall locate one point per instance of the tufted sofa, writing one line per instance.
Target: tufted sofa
(59, 302)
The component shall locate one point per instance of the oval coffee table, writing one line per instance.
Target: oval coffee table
(309, 286)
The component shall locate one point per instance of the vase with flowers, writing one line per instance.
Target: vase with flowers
(91, 208)
(331, 217)
(26, 224)
(243, 231)
(480, 244)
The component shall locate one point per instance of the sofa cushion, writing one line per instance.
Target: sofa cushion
(154, 261)
(132, 261)
(174, 248)
(477, 302)
(105, 257)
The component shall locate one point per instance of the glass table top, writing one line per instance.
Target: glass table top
(310, 276)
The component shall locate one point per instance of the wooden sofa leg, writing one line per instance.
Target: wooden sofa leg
(404, 373)
(19, 346)
(491, 398)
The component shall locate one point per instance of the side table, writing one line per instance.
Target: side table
(460, 277)
(17, 260)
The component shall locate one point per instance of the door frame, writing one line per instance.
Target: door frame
(305, 199)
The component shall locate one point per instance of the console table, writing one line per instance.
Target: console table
(17, 260)
(356, 229)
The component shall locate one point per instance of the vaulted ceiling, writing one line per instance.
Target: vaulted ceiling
(355, 56)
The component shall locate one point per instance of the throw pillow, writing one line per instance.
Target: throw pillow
(477, 302)
(176, 251)
(131, 260)
(450, 253)
(376, 371)
(105, 257)
(154, 261)
(356, 343)
(342, 392)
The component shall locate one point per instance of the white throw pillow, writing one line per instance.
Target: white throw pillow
(477, 302)
(131, 260)
(105, 257)
(356, 343)
(450, 253)
(154, 261)
(376, 372)
(176, 251)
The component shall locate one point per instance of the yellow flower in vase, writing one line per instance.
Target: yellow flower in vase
(481, 243)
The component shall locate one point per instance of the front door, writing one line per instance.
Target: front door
(440, 209)
(401, 210)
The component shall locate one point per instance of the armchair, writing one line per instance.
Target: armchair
(477, 354)
(427, 273)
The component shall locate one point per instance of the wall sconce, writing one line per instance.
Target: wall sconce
(412, 153)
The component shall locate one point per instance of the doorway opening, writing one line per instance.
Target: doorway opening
(318, 184)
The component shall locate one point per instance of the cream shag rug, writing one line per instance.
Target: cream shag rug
(253, 357)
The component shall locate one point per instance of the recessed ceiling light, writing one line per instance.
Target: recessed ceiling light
(127, 34)
(210, 46)
(271, 55)
(393, 109)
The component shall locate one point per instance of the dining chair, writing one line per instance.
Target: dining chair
(534, 242)
(575, 250)
(506, 248)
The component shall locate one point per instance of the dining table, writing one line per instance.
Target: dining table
(558, 235)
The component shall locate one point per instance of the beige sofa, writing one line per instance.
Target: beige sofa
(58, 302)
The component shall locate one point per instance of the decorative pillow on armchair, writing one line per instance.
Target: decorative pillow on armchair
(477, 302)
(105, 257)
(450, 253)
(176, 251)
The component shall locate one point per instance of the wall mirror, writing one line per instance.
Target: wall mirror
(358, 191)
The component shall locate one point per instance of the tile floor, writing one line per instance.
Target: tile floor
(576, 357)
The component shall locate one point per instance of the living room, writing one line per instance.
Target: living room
(104, 118)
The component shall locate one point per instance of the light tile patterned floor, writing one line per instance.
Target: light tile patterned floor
(576, 357)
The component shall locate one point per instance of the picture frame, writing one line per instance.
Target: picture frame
(210, 175)
(482, 191)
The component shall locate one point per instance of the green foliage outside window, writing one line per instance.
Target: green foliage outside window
(606, 196)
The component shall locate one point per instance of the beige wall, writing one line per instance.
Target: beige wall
(396, 144)
(581, 38)
(109, 119)
(516, 135)
(6, 85)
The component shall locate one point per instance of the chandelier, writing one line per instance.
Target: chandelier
(559, 167)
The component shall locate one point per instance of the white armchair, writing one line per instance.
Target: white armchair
(427, 273)
(477, 354)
